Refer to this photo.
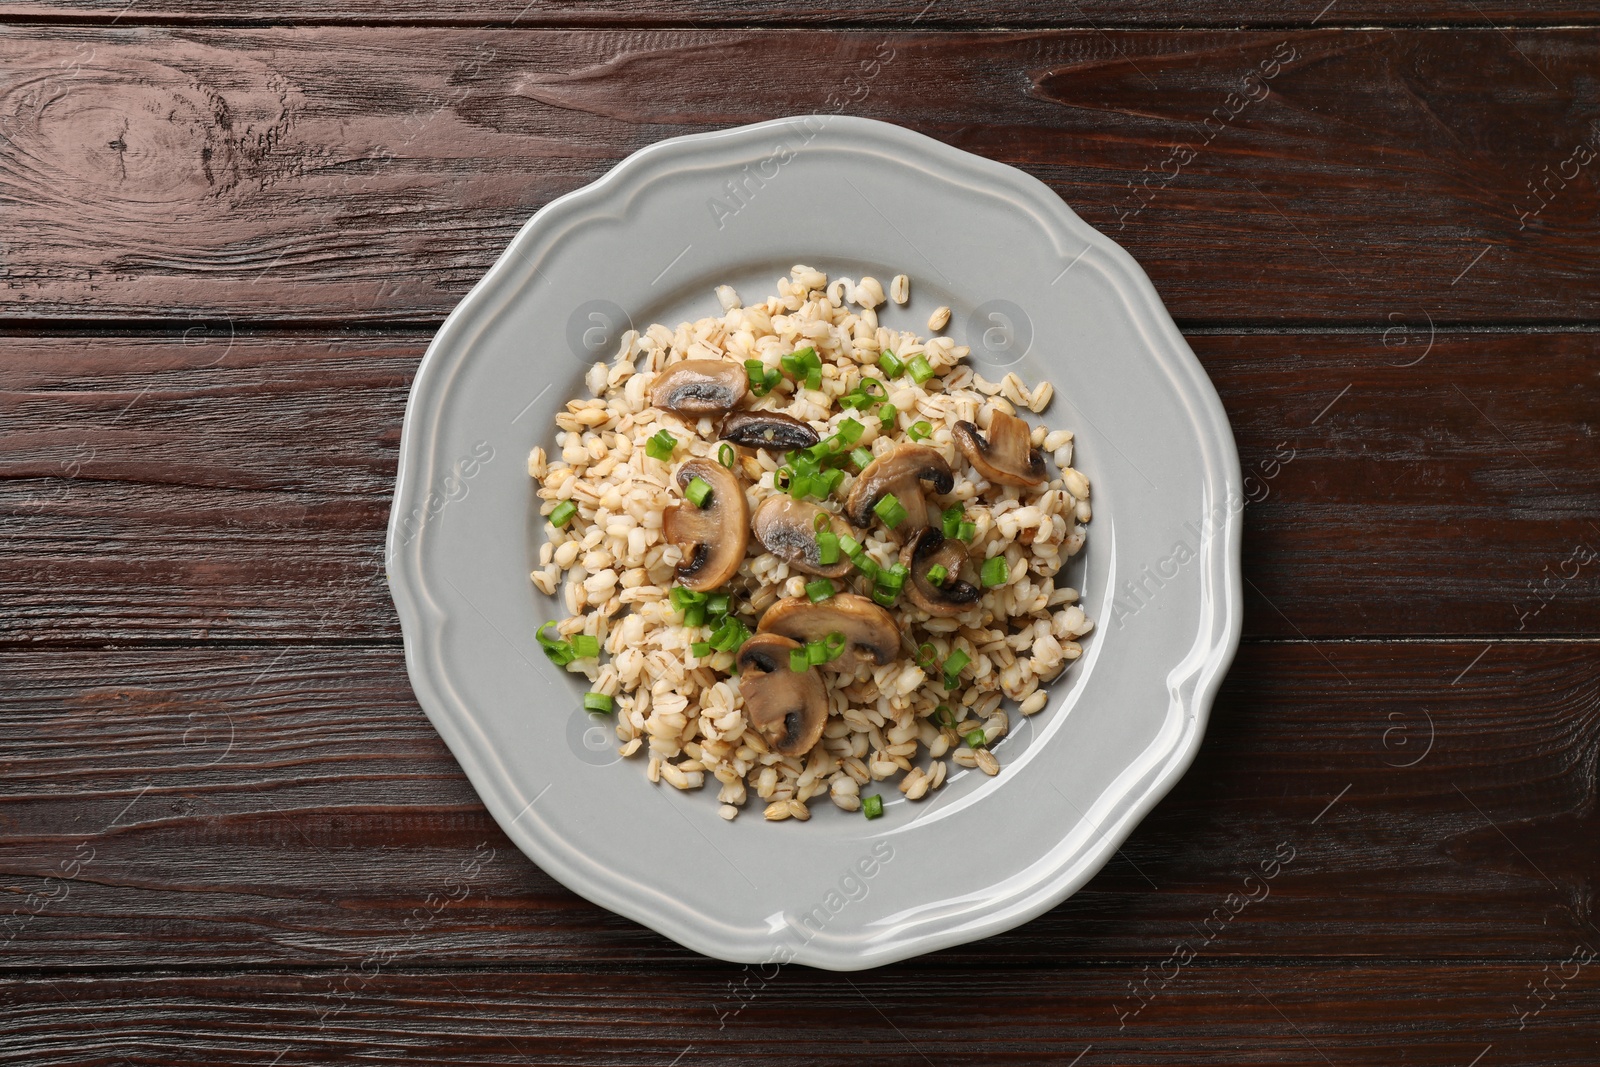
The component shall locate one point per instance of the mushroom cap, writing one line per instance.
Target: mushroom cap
(789, 708)
(1007, 456)
(713, 538)
(900, 471)
(767, 429)
(697, 387)
(870, 632)
(930, 548)
(787, 529)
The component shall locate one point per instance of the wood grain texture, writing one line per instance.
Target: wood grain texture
(893, 14)
(346, 175)
(1431, 1016)
(237, 487)
(293, 807)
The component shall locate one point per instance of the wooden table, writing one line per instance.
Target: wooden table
(228, 228)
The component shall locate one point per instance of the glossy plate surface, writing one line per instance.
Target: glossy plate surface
(1033, 289)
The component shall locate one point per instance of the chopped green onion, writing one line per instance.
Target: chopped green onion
(563, 513)
(994, 571)
(952, 520)
(882, 390)
(598, 702)
(762, 378)
(585, 647)
(941, 716)
(805, 365)
(872, 806)
(894, 576)
(850, 431)
(851, 548)
(821, 589)
(952, 667)
(937, 574)
(920, 369)
(827, 547)
(726, 456)
(819, 521)
(927, 656)
(834, 645)
(559, 651)
(887, 412)
(694, 615)
(920, 430)
(717, 604)
(782, 478)
(967, 531)
(867, 566)
(861, 457)
(798, 660)
(889, 509)
(698, 492)
(661, 446)
(682, 598)
(828, 482)
(816, 653)
(701, 649)
(976, 739)
(891, 365)
(886, 597)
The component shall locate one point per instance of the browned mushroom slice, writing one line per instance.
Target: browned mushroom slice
(953, 596)
(788, 707)
(697, 387)
(788, 529)
(870, 633)
(1007, 456)
(900, 471)
(767, 429)
(713, 538)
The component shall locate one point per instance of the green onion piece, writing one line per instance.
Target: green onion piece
(821, 589)
(781, 478)
(827, 547)
(563, 513)
(894, 576)
(828, 482)
(814, 378)
(850, 431)
(701, 649)
(886, 597)
(887, 412)
(967, 531)
(867, 566)
(819, 521)
(941, 716)
(861, 457)
(717, 604)
(798, 660)
(994, 571)
(682, 598)
(661, 446)
(729, 635)
(694, 615)
(726, 456)
(890, 364)
(976, 739)
(816, 653)
(802, 486)
(952, 667)
(698, 492)
(927, 656)
(889, 509)
(559, 651)
(872, 806)
(952, 520)
(920, 430)
(755, 371)
(882, 390)
(937, 574)
(834, 644)
(598, 702)
(851, 548)
(919, 367)
(585, 647)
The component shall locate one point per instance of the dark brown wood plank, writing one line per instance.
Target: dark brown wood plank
(978, 14)
(910, 1015)
(343, 175)
(293, 807)
(207, 487)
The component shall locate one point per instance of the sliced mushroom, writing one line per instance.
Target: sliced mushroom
(1007, 456)
(788, 529)
(767, 429)
(697, 387)
(901, 472)
(951, 597)
(713, 538)
(870, 633)
(788, 707)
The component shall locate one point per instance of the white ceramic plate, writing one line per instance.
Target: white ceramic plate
(1034, 289)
